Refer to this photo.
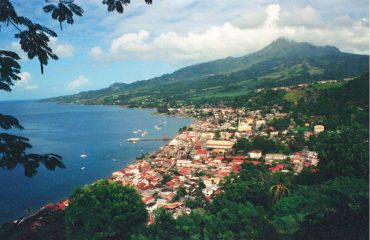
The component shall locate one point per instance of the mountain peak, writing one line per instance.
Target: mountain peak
(284, 47)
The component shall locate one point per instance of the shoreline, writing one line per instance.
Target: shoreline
(62, 203)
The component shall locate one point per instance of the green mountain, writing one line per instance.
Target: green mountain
(283, 62)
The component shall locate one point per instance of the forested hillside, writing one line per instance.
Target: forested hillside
(282, 63)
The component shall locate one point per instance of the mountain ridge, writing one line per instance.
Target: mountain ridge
(283, 62)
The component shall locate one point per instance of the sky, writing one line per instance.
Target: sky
(146, 41)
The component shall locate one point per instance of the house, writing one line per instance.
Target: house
(277, 168)
(308, 134)
(208, 191)
(271, 157)
(201, 154)
(218, 144)
(244, 128)
(249, 119)
(255, 153)
(318, 129)
(185, 171)
(259, 123)
(183, 163)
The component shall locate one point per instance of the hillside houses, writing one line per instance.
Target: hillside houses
(196, 156)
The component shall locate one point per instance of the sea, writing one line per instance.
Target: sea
(100, 132)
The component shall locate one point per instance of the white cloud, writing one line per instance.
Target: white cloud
(78, 83)
(24, 82)
(306, 17)
(237, 38)
(62, 50)
(96, 52)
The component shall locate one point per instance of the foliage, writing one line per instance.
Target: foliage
(280, 124)
(118, 4)
(344, 152)
(104, 210)
(166, 178)
(63, 11)
(261, 143)
(337, 209)
(48, 225)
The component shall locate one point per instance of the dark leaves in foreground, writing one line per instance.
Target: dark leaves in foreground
(34, 42)
(63, 11)
(9, 69)
(12, 152)
(7, 122)
(118, 4)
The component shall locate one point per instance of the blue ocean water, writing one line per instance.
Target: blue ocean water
(70, 130)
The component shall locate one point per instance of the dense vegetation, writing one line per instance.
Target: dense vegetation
(257, 204)
(281, 63)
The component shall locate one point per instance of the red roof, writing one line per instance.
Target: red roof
(278, 167)
(201, 152)
(49, 205)
(237, 161)
(185, 171)
(236, 168)
(171, 182)
(61, 205)
(145, 168)
(256, 162)
(148, 199)
(198, 144)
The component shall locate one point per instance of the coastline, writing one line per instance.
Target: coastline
(63, 202)
(76, 128)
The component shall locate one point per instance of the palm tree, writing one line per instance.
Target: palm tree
(279, 190)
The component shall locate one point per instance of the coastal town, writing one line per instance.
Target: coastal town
(188, 170)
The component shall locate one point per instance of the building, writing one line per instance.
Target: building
(260, 123)
(218, 144)
(255, 153)
(318, 129)
(244, 127)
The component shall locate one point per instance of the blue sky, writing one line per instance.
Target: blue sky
(150, 40)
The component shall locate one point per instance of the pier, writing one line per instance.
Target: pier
(165, 138)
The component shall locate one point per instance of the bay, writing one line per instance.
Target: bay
(70, 130)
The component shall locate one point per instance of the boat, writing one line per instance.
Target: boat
(133, 140)
(144, 133)
(135, 132)
(113, 159)
(157, 127)
(83, 155)
(82, 168)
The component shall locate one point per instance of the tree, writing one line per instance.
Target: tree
(344, 152)
(337, 209)
(279, 190)
(166, 178)
(104, 210)
(34, 40)
(218, 135)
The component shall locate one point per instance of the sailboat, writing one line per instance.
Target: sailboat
(144, 133)
(83, 155)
